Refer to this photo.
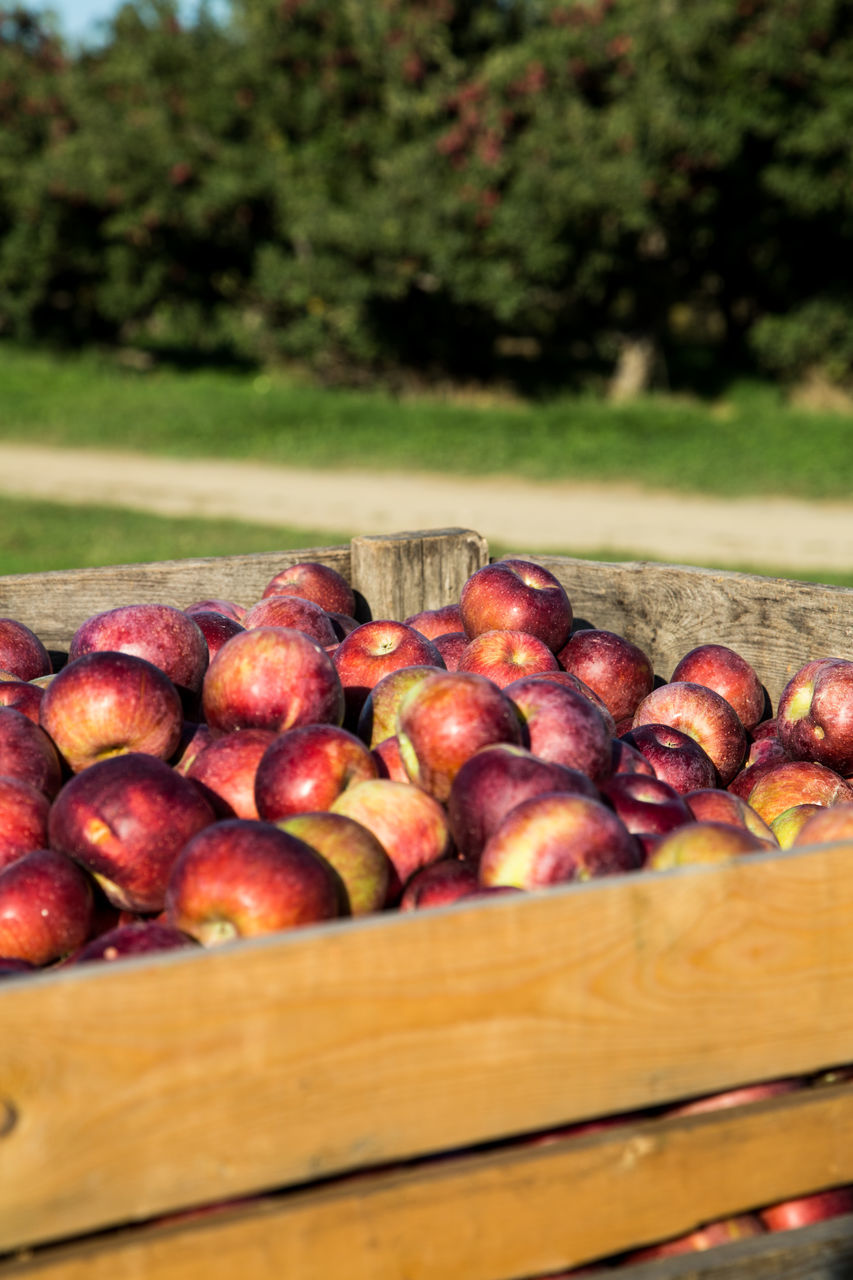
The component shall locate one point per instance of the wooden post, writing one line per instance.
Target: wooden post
(404, 573)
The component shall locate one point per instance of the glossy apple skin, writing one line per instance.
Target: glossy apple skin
(410, 825)
(28, 752)
(440, 884)
(292, 611)
(372, 650)
(647, 806)
(161, 634)
(715, 805)
(814, 717)
(556, 838)
(563, 726)
(46, 907)
(23, 819)
(229, 608)
(354, 852)
(125, 820)
(225, 770)
(451, 646)
(675, 757)
(378, 716)
(273, 678)
(433, 623)
(823, 825)
(796, 782)
(104, 703)
(709, 1236)
(494, 780)
(444, 719)
(504, 656)
(307, 768)
(805, 1210)
(619, 671)
(136, 938)
(216, 629)
(727, 672)
(703, 842)
(22, 653)
(194, 738)
(22, 696)
(705, 716)
(315, 581)
(516, 595)
(241, 879)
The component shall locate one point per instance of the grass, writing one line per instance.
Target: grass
(749, 443)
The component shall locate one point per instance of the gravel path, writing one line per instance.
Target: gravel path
(770, 533)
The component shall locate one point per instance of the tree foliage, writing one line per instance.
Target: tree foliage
(432, 185)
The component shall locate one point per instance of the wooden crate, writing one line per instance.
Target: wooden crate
(355, 1098)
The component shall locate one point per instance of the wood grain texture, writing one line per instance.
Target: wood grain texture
(196, 1077)
(403, 573)
(775, 624)
(55, 604)
(523, 1210)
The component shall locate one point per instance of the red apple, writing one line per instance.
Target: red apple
(292, 611)
(354, 852)
(307, 768)
(28, 752)
(46, 907)
(705, 716)
(494, 780)
(216, 605)
(444, 719)
(516, 595)
(161, 634)
(554, 838)
(728, 672)
(22, 696)
(504, 656)
(216, 629)
(570, 681)
(377, 719)
(389, 760)
(136, 938)
(647, 805)
(226, 768)
(410, 825)
(796, 782)
(24, 812)
(627, 759)
(315, 581)
(105, 703)
(194, 739)
(433, 623)
(824, 825)
(11, 968)
(22, 654)
(271, 678)
(372, 650)
(740, 1096)
(563, 726)
(767, 748)
(805, 1210)
(675, 757)
(619, 671)
(712, 804)
(451, 646)
(343, 624)
(700, 842)
(814, 718)
(125, 820)
(241, 878)
(439, 884)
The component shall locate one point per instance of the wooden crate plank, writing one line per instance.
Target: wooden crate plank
(403, 573)
(188, 1078)
(515, 1212)
(776, 624)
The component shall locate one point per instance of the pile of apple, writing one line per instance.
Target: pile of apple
(193, 776)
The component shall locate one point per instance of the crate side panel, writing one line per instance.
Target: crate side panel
(297, 1057)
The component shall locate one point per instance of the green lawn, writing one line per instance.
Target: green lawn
(750, 442)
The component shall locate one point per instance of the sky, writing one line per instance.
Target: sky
(79, 19)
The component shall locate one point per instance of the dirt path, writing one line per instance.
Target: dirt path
(771, 533)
